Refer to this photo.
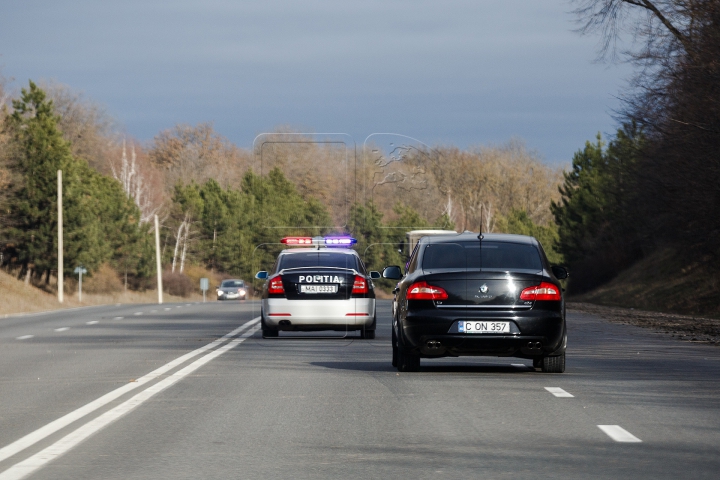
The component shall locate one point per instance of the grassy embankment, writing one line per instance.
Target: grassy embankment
(662, 282)
(20, 298)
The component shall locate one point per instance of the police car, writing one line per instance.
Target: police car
(320, 284)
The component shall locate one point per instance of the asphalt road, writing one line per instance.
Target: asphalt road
(151, 391)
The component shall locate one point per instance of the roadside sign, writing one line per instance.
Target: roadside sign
(204, 286)
(80, 271)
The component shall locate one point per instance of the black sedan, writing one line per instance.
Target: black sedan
(470, 294)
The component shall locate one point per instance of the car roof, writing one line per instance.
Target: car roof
(487, 237)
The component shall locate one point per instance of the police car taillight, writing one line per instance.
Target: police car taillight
(276, 286)
(544, 291)
(360, 285)
(297, 241)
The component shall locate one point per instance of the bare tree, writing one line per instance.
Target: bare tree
(138, 181)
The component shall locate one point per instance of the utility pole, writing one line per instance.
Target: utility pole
(61, 266)
(157, 258)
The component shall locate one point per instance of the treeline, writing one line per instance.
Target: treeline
(223, 208)
(654, 186)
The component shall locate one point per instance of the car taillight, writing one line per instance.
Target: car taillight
(424, 291)
(359, 285)
(544, 291)
(276, 286)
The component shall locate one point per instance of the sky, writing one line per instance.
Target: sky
(449, 72)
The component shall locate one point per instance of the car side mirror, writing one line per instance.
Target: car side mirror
(393, 272)
(261, 275)
(560, 273)
(375, 275)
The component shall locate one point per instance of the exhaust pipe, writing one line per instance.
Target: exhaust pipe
(534, 345)
(284, 323)
(433, 344)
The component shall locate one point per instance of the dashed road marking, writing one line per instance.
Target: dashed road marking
(138, 313)
(619, 434)
(518, 365)
(62, 329)
(167, 308)
(118, 318)
(559, 392)
(24, 337)
(91, 322)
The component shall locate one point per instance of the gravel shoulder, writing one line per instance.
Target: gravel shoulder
(683, 327)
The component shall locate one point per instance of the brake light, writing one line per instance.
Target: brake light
(424, 291)
(297, 241)
(544, 291)
(359, 285)
(276, 286)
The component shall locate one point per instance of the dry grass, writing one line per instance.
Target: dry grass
(662, 283)
(20, 298)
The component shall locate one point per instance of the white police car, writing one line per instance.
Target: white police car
(321, 285)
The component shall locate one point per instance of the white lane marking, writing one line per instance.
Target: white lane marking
(52, 427)
(168, 308)
(62, 446)
(62, 329)
(619, 434)
(24, 337)
(91, 322)
(138, 313)
(118, 318)
(559, 392)
(518, 365)
(179, 306)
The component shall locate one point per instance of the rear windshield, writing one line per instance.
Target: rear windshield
(232, 283)
(318, 259)
(485, 255)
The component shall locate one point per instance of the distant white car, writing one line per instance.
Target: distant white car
(231, 290)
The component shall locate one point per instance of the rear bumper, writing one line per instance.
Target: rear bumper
(538, 333)
(353, 313)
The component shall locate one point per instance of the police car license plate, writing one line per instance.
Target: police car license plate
(318, 288)
(474, 326)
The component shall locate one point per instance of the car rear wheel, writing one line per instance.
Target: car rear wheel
(269, 333)
(554, 364)
(367, 334)
(394, 349)
(407, 361)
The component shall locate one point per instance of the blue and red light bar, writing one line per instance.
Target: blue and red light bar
(331, 241)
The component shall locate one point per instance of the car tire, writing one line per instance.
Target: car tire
(407, 361)
(394, 349)
(367, 334)
(554, 364)
(270, 333)
(267, 332)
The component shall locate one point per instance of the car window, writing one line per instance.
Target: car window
(412, 263)
(486, 255)
(233, 283)
(318, 259)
